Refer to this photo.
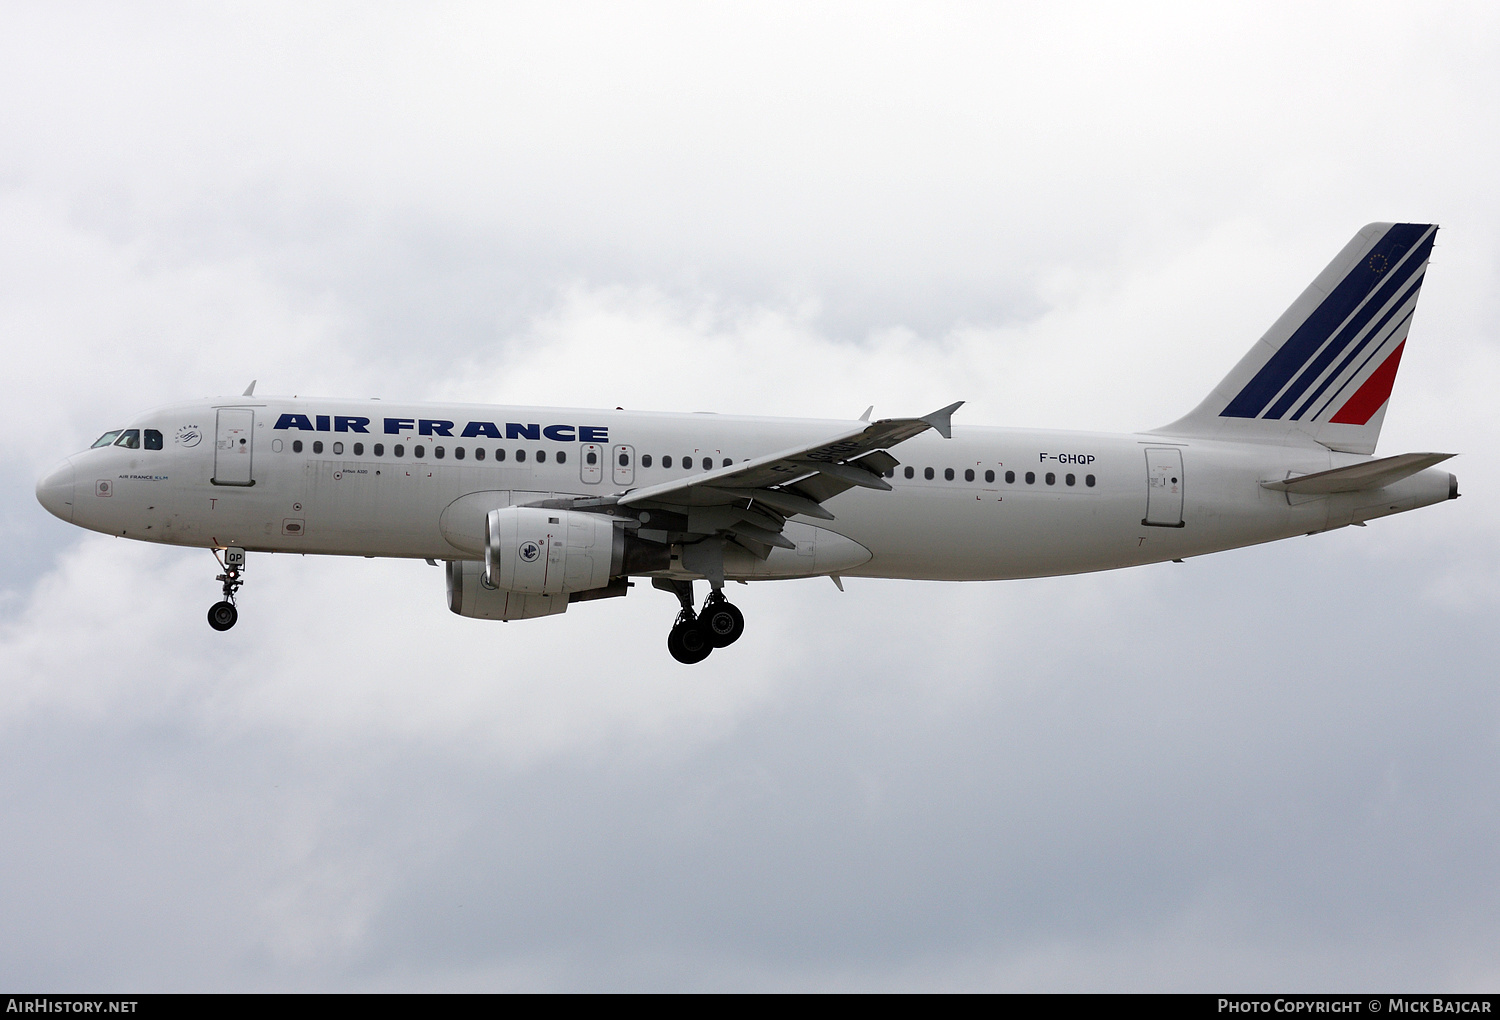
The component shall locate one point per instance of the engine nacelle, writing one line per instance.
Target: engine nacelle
(469, 595)
(534, 551)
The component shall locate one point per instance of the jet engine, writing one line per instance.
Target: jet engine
(469, 594)
(551, 552)
(537, 561)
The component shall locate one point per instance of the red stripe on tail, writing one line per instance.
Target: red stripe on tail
(1375, 392)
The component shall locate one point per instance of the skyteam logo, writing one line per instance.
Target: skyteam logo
(529, 552)
(1340, 362)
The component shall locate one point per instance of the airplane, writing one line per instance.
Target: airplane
(533, 509)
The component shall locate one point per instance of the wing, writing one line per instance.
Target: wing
(750, 502)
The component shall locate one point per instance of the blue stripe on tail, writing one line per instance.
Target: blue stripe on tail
(1307, 343)
(1378, 333)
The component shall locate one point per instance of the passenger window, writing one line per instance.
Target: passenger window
(687, 463)
(1010, 477)
(338, 449)
(153, 439)
(593, 458)
(727, 461)
(417, 452)
(500, 454)
(1069, 479)
(437, 451)
(624, 460)
(520, 456)
(1051, 478)
(107, 439)
(296, 446)
(399, 450)
(1031, 478)
(927, 473)
(458, 453)
(317, 446)
(359, 449)
(890, 472)
(968, 474)
(541, 456)
(1088, 480)
(910, 472)
(989, 476)
(666, 461)
(645, 460)
(562, 456)
(379, 449)
(479, 453)
(130, 439)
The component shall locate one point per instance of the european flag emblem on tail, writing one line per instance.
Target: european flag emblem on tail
(1327, 367)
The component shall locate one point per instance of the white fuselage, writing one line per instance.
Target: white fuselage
(332, 497)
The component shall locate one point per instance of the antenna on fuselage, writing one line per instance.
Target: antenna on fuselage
(250, 390)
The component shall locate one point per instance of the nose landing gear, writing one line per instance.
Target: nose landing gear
(223, 615)
(695, 635)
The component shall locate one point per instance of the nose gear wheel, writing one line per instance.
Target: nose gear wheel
(222, 615)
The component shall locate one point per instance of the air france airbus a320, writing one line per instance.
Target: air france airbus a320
(534, 508)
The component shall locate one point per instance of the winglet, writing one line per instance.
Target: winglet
(942, 419)
(250, 390)
(868, 411)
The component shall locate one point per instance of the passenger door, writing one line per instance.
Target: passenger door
(234, 446)
(1164, 484)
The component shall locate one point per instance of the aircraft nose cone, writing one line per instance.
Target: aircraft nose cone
(55, 491)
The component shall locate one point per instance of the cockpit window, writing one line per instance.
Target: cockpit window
(153, 439)
(130, 439)
(106, 439)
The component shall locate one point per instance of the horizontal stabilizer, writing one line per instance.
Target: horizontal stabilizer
(1372, 474)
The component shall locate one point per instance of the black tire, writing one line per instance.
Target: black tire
(689, 643)
(222, 615)
(723, 622)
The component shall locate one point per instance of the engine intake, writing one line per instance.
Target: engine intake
(551, 552)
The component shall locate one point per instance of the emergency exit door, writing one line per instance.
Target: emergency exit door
(591, 463)
(1164, 488)
(623, 459)
(234, 446)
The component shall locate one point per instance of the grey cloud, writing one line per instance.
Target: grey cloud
(1273, 766)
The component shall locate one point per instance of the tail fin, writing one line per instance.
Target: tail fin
(1324, 371)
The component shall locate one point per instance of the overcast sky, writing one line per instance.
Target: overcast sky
(1271, 768)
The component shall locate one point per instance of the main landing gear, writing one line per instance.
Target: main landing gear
(695, 635)
(222, 615)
